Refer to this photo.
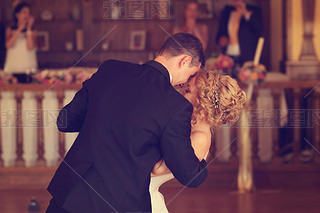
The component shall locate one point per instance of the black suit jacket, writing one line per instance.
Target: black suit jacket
(128, 117)
(249, 31)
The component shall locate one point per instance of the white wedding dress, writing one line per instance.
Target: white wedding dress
(157, 200)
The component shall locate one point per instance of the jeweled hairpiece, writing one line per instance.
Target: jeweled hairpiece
(216, 99)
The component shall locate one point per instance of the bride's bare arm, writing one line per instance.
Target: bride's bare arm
(200, 142)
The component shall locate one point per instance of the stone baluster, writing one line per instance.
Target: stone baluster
(19, 159)
(254, 128)
(62, 151)
(29, 124)
(265, 131)
(1, 160)
(69, 137)
(296, 122)
(316, 123)
(277, 117)
(8, 128)
(40, 142)
(50, 131)
(234, 144)
(222, 139)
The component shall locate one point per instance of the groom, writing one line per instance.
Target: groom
(128, 117)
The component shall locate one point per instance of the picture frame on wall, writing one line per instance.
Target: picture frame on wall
(42, 41)
(205, 9)
(138, 40)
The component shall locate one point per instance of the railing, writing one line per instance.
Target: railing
(29, 136)
(266, 122)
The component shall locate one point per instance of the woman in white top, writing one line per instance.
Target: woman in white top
(216, 100)
(21, 58)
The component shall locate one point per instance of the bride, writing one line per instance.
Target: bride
(216, 100)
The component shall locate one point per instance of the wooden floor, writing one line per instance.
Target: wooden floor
(283, 192)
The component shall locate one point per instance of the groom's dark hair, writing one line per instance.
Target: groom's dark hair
(184, 44)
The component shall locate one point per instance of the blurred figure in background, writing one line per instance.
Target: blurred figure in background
(190, 24)
(2, 46)
(240, 27)
(21, 58)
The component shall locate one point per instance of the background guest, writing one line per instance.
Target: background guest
(2, 45)
(190, 24)
(240, 26)
(21, 58)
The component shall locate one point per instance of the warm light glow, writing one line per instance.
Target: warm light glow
(316, 31)
(297, 29)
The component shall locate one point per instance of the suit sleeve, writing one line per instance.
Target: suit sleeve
(72, 116)
(177, 151)
(223, 25)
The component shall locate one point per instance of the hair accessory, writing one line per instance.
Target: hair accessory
(216, 99)
(216, 96)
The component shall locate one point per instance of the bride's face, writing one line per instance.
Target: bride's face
(191, 92)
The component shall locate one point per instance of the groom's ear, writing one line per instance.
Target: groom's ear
(185, 60)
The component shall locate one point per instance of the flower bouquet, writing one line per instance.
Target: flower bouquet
(222, 63)
(6, 78)
(252, 73)
(82, 76)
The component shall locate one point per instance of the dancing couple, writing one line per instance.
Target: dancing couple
(136, 131)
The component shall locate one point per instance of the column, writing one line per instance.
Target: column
(50, 130)
(8, 128)
(29, 124)
(69, 137)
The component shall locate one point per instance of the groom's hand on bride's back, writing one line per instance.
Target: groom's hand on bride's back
(177, 151)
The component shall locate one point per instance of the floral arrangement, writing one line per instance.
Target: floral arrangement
(250, 73)
(82, 76)
(6, 78)
(52, 77)
(65, 76)
(221, 63)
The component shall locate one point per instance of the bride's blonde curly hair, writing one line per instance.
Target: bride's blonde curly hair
(219, 99)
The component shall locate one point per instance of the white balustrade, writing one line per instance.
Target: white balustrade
(223, 140)
(8, 127)
(265, 132)
(29, 124)
(50, 112)
(69, 137)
